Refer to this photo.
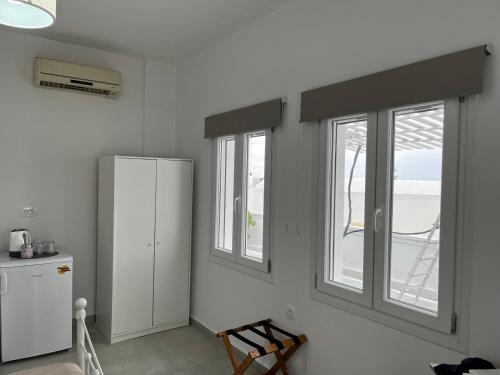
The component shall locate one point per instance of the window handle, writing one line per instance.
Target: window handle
(237, 202)
(377, 214)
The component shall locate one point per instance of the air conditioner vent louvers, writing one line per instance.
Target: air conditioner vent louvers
(62, 75)
(71, 87)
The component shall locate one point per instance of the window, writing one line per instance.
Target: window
(345, 264)
(253, 196)
(242, 201)
(347, 210)
(225, 193)
(388, 227)
(415, 207)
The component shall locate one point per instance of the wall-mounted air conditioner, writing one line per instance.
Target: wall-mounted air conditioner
(80, 78)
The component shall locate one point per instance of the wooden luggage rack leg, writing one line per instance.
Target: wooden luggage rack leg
(289, 345)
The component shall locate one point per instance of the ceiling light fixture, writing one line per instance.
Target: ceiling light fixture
(28, 14)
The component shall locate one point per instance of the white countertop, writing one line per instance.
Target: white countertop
(6, 261)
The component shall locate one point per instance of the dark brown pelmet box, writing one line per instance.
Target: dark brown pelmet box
(256, 117)
(448, 76)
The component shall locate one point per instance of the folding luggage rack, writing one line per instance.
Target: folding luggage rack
(290, 345)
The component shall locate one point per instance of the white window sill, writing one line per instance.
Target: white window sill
(264, 276)
(454, 342)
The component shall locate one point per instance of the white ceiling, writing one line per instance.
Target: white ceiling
(167, 30)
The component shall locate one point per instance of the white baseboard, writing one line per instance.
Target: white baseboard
(132, 335)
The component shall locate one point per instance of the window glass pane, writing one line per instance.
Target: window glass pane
(417, 136)
(253, 214)
(347, 197)
(225, 193)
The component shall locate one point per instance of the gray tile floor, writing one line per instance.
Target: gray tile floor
(183, 351)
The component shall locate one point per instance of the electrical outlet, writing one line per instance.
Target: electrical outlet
(29, 212)
(290, 312)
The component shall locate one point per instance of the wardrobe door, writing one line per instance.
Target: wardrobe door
(173, 241)
(135, 187)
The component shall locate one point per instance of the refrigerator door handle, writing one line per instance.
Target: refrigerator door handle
(3, 283)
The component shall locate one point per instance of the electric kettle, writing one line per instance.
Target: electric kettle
(18, 237)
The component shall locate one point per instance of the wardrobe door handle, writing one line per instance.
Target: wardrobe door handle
(3, 281)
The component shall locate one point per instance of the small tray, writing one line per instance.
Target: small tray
(35, 256)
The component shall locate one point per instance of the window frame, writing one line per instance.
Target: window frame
(327, 151)
(442, 321)
(236, 259)
(216, 214)
(240, 258)
(441, 332)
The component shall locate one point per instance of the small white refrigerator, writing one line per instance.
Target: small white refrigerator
(35, 306)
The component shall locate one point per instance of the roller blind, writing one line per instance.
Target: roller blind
(453, 75)
(256, 117)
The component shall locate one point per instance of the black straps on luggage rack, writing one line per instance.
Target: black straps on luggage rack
(260, 349)
(271, 339)
(295, 339)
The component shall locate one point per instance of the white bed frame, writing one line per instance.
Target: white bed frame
(86, 356)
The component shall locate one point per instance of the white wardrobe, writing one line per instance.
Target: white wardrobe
(144, 245)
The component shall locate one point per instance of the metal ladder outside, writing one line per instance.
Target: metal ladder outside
(422, 258)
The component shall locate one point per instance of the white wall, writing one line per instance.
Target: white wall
(159, 114)
(308, 44)
(50, 141)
